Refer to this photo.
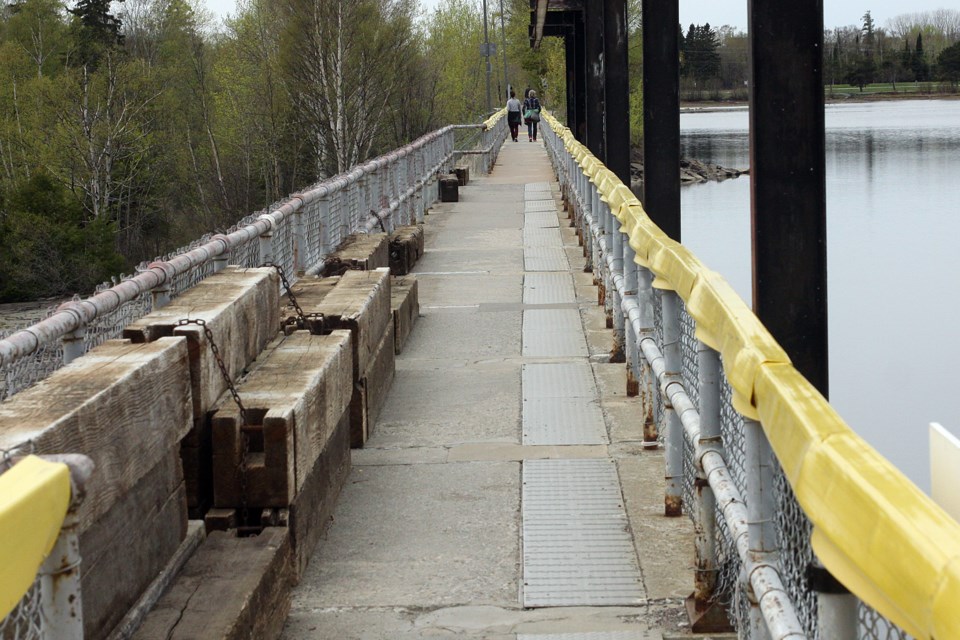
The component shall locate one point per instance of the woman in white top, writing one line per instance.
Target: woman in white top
(514, 115)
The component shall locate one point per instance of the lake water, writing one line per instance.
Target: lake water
(893, 189)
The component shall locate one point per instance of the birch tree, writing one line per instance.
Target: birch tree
(345, 61)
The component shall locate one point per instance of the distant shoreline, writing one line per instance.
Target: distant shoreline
(706, 106)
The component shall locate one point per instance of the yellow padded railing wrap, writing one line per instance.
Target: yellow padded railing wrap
(876, 532)
(34, 496)
(492, 120)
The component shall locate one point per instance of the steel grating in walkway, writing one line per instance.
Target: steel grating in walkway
(534, 236)
(541, 219)
(548, 288)
(540, 206)
(577, 547)
(545, 259)
(553, 333)
(537, 187)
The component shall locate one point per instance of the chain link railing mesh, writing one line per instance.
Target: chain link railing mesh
(25, 622)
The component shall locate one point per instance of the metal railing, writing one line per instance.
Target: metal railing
(40, 558)
(773, 479)
(297, 233)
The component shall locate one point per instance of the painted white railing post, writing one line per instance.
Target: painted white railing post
(646, 379)
(73, 344)
(761, 514)
(673, 498)
(326, 237)
(299, 242)
(630, 336)
(617, 353)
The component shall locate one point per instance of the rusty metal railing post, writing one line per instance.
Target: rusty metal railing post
(630, 337)
(617, 353)
(673, 498)
(647, 380)
(705, 613)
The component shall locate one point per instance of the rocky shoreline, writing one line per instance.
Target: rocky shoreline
(691, 172)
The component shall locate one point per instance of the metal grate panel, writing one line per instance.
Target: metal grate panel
(541, 219)
(577, 548)
(545, 259)
(559, 380)
(542, 237)
(553, 333)
(563, 421)
(548, 288)
(540, 206)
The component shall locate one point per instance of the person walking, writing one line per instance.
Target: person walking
(531, 115)
(514, 115)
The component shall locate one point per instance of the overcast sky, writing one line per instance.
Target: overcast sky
(837, 13)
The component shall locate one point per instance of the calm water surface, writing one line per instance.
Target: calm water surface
(893, 185)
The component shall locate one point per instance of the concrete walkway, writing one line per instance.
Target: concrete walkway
(437, 533)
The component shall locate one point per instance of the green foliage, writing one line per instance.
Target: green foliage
(948, 63)
(97, 30)
(699, 55)
(46, 246)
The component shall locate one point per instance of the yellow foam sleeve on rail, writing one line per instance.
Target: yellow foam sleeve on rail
(492, 120)
(34, 496)
(876, 532)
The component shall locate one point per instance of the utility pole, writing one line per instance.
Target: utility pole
(503, 43)
(486, 53)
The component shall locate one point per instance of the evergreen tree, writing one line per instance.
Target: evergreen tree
(97, 30)
(921, 70)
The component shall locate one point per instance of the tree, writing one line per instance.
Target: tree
(948, 64)
(862, 72)
(346, 64)
(97, 30)
(919, 65)
(46, 246)
(701, 60)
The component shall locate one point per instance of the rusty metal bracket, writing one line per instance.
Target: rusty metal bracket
(310, 321)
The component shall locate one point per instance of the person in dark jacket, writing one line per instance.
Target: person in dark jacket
(531, 115)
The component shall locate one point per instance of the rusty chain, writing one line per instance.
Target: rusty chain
(244, 438)
(303, 320)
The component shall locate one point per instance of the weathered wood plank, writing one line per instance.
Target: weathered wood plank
(309, 292)
(125, 550)
(313, 507)
(231, 589)
(379, 377)
(405, 305)
(126, 406)
(361, 251)
(290, 398)
(360, 303)
(406, 247)
(241, 309)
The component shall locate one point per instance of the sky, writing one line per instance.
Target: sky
(836, 13)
